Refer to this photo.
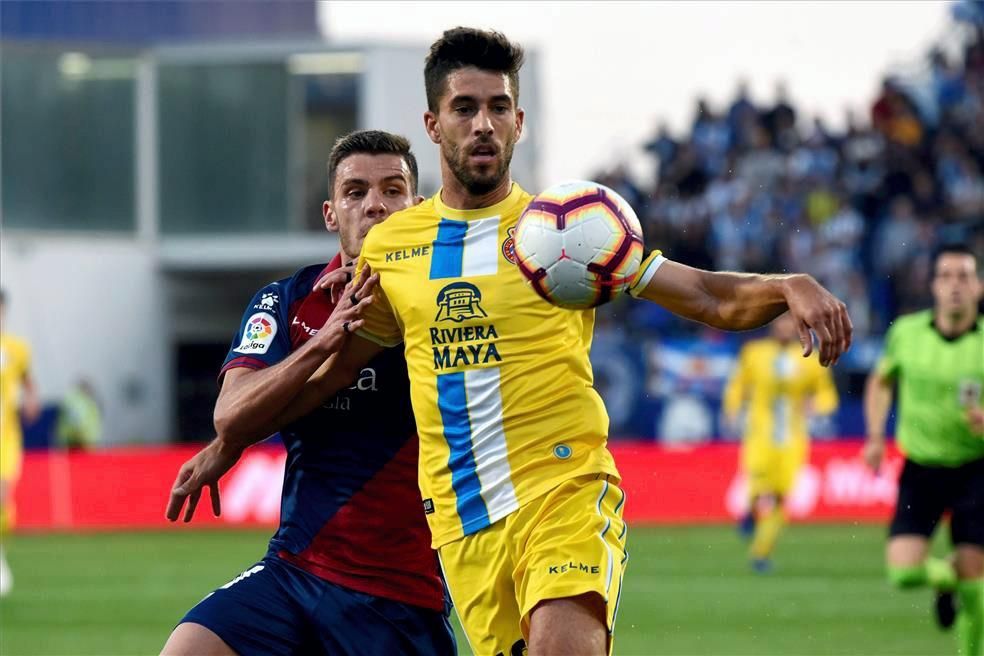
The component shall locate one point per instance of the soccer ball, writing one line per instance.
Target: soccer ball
(579, 244)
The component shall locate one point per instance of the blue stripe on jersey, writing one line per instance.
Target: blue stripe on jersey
(449, 248)
(453, 403)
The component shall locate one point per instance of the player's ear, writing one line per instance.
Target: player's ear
(430, 125)
(331, 221)
(520, 118)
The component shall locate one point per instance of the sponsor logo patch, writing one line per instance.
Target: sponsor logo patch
(267, 301)
(260, 330)
(459, 301)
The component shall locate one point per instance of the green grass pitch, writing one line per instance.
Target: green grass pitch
(687, 591)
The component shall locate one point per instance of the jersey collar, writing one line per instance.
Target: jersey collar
(498, 209)
(336, 263)
(952, 338)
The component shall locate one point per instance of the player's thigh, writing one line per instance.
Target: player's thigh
(761, 463)
(575, 550)
(790, 461)
(478, 570)
(352, 623)
(190, 639)
(11, 457)
(923, 496)
(263, 610)
(572, 625)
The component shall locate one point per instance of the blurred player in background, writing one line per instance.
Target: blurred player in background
(350, 569)
(519, 488)
(17, 392)
(937, 359)
(779, 391)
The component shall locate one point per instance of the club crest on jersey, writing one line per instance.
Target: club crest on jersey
(259, 332)
(459, 301)
(509, 245)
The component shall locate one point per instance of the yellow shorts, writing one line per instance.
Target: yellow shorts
(772, 470)
(11, 455)
(569, 542)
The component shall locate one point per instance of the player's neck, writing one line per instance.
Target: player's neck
(455, 196)
(954, 324)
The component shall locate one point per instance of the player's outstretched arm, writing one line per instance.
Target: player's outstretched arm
(742, 301)
(252, 399)
(336, 373)
(210, 464)
(878, 394)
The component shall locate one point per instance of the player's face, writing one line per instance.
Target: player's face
(477, 126)
(368, 188)
(956, 287)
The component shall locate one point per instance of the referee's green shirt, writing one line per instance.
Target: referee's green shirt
(938, 379)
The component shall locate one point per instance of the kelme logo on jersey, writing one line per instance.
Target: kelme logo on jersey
(267, 301)
(258, 334)
(459, 301)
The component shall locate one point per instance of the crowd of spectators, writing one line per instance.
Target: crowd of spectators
(760, 188)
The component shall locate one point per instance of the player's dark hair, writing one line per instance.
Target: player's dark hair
(462, 47)
(954, 248)
(371, 142)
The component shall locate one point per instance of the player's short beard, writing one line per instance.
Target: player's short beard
(477, 185)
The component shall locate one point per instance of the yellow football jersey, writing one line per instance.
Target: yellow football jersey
(15, 363)
(777, 383)
(501, 383)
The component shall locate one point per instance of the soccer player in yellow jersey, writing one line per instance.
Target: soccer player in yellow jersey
(520, 490)
(779, 390)
(16, 390)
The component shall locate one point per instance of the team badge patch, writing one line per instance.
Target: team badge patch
(260, 330)
(509, 246)
(459, 301)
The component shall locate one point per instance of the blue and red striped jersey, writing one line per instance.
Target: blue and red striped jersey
(351, 511)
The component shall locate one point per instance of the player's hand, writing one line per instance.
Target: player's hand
(873, 453)
(815, 309)
(204, 469)
(346, 318)
(975, 417)
(334, 282)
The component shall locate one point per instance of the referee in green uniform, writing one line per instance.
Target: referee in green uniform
(937, 359)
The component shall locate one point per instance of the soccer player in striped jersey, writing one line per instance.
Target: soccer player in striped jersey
(936, 357)
(350, 569)
(520, 491)
(779, 391)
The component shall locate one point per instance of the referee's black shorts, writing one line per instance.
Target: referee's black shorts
(925, 493)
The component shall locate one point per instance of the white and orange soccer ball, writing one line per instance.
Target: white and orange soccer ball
(579, 244)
